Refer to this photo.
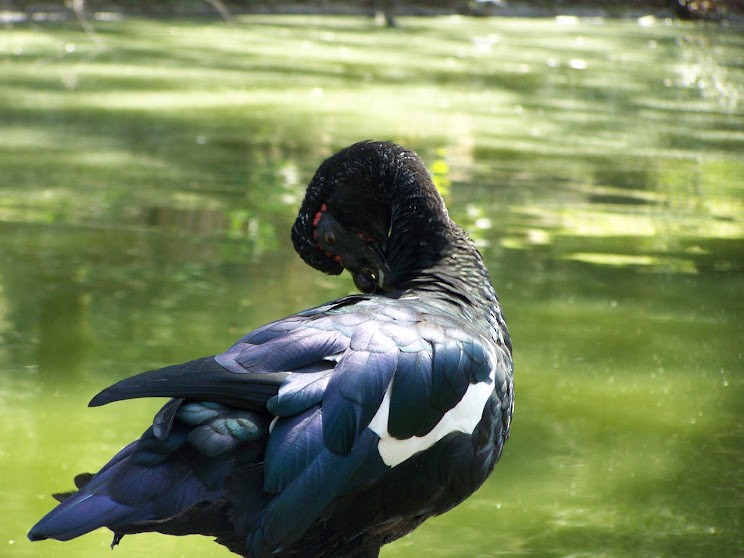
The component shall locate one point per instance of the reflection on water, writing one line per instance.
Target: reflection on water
(148, 187)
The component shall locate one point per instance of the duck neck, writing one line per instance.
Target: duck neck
(420, 228)
(459, 284)
(456, 271)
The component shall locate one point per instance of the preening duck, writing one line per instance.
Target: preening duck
(341, 428)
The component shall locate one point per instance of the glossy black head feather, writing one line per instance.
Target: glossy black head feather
(379, 190)
(349, 185)
(303, 239)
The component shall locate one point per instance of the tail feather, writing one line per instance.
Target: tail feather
(88, 509)
(79, 514)
(172, 485)
(62, 496)
(80, 481)
(126, 498)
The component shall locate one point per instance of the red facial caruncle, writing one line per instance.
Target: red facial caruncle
(316, 236)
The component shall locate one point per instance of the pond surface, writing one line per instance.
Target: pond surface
(149, 174)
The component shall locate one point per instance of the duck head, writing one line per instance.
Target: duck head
(366, 210)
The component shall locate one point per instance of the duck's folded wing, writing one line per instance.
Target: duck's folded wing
(323, 444)
(245, 376)
(202, 379)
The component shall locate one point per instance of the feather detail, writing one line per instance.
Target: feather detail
(202, 379)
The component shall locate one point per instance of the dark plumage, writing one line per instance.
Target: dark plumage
(341, 428)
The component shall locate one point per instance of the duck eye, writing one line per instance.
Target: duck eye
(328, 238)
(365, 280)
(370, 273)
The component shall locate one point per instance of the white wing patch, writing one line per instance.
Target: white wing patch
(273, 424)
(463, 417)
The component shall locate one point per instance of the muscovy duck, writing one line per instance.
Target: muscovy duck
(341, 428)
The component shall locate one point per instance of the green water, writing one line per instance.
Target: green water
(149, 175)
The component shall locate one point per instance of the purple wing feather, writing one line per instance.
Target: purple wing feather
(357, 387)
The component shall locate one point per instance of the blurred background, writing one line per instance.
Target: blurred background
(153, 156)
